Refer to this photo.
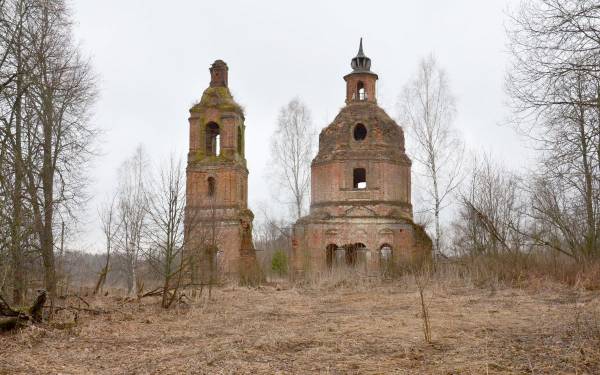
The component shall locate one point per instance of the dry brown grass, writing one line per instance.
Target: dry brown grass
(333, 326)
(526, 270)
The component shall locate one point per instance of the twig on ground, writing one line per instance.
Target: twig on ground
(76, 296)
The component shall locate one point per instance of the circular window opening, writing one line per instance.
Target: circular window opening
(360, 132)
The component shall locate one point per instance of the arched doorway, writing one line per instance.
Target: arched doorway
(354, 253)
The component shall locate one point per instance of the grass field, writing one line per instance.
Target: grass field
(335, 328)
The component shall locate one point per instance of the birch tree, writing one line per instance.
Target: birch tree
(427, 108)
(292, 147)
(110, 228)
(132, 213)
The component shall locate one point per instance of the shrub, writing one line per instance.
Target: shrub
(279, 263)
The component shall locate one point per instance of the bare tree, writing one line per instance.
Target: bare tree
(427, 107)
(208, 237)
(271, 233)
(202, 236)
(13, 68)
(166, 208)
(292, 147)
(46, 94)
(110, 228)
(202, 255)
(492, 212)
(270, 236)
(15, 15)
(554, 86)
(132, 202)
(61, 97)
(422, 280)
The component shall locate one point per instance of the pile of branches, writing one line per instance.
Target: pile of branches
(11, 318)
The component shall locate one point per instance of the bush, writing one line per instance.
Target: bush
(279, 263)
(518, 269)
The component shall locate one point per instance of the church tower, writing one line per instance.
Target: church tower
(218, 223)
(360, 210)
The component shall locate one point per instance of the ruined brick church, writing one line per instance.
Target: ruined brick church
(360, 212)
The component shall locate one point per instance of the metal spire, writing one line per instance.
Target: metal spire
(360, 49)
(361, 62)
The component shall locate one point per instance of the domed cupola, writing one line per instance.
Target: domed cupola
(361, 63)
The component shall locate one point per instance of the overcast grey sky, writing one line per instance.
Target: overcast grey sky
(152, 59)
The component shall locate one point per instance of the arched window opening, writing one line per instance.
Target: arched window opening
(214, 256)
(244, 191)
(385, 252)
(330, 255)
(360, 178)
(360, 89)
(211, 186)
(213, 142)
(217, 261)
(360, 132)
(385, 258)
(240, 142)
(339, 256)
(351, 256)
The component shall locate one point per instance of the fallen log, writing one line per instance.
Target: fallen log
(75, 296)
(7, 324)
(6, 310)
(11, 319)
(82, 309)
(154, 292)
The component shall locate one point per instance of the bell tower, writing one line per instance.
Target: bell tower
(218, 223)
(360, 83)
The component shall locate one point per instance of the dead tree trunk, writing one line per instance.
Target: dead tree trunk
(11, 319)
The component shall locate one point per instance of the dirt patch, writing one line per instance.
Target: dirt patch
(374, 330)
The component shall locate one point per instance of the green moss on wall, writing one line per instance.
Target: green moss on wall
(219, 98)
